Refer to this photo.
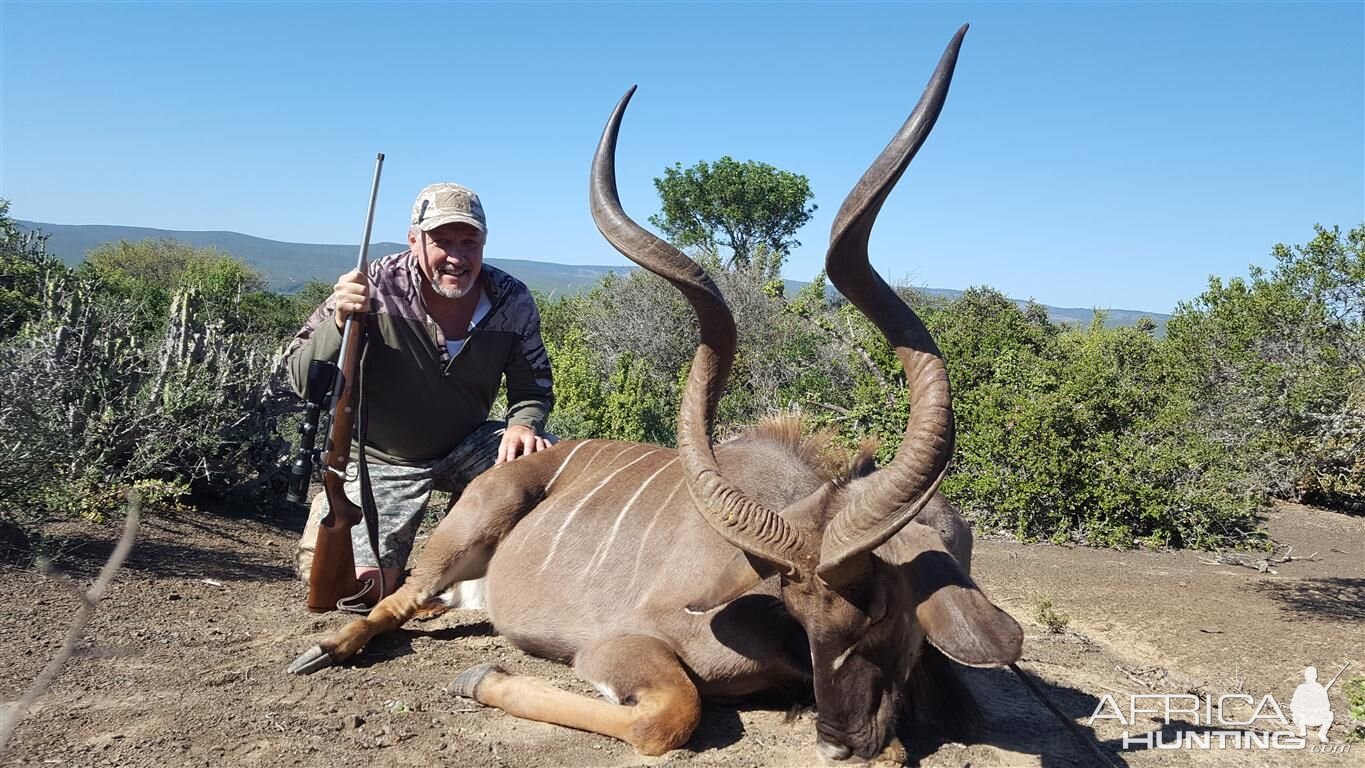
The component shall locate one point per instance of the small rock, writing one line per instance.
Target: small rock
(352, 721)
(173, 596)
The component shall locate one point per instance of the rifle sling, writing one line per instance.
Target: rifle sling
(367, 504)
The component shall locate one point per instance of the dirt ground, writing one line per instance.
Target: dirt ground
(184, 662)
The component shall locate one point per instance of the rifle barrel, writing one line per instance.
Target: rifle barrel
(343, 364)
(369, 217)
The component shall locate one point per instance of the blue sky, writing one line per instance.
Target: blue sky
(1090, 154)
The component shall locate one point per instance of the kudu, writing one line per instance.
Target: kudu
(668, 576)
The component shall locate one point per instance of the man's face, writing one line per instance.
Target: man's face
(451, 256)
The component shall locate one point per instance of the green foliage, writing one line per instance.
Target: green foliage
(271, 315)
(1276, 364)
(150, 366)
(751, 209)
(1046, 614)
(602, 389)
(309, 296)
(979, 328)
(146, 274)
(630, 411)
(153, 364)
(27, 272)
(1354, 691)
(1077, 435)
(578, 380)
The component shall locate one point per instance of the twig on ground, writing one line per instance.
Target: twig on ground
(10, 719)
(1133, 678)
(1260, 563)
(1131, 674)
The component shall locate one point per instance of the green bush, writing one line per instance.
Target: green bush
(154, 364)
(1354, 691)
(1047, 615)
(106, 385)
(1063, 434)
(1275, 364)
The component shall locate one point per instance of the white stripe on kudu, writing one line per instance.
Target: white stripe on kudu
(554, 546)
(564, 464)
(645, 536)
(602, 549)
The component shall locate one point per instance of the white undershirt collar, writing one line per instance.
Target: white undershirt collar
(453, 347)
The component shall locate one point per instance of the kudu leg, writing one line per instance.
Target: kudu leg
(658, 704)
(458, 550)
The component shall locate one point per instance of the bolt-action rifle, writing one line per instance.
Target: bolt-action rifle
(332, 583)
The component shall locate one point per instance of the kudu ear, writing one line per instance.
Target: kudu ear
(955, 616)
(740, 575)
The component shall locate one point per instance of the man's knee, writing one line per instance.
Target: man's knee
(476, 454)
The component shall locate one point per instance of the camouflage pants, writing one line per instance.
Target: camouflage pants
(400, 497)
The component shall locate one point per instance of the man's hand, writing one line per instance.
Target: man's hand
(519, 440)
(351, 294)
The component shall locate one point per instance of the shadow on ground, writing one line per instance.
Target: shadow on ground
(1016, 721)
(720, 727)
(172, 548)
(393, 645)
(1337, 599)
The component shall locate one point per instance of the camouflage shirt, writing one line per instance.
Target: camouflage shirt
(420, 401)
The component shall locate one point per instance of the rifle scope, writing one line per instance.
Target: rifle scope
(321, 374)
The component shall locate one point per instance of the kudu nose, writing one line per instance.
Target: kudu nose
(830, 751)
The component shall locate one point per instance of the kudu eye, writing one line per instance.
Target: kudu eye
(876, 610)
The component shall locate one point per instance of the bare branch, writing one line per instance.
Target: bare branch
(10, 720)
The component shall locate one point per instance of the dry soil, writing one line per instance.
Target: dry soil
(184, 662)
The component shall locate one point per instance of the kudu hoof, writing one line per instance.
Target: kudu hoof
(311, 661)
(465, 682)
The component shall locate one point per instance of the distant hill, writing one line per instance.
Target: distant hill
(287, 266)
(1114, 318)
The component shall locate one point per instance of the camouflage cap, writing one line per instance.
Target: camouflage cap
(446, 203)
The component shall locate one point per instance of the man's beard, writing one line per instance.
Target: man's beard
(452, 292)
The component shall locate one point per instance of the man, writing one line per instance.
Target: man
(444, 329)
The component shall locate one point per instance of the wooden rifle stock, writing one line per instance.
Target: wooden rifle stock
(332, 578)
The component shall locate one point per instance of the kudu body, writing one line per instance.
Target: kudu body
(666, 576)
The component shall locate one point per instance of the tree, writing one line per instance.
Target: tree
(151, 365)
(26, 273)
(146, 274)
(751, 209)
(1275, 363)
